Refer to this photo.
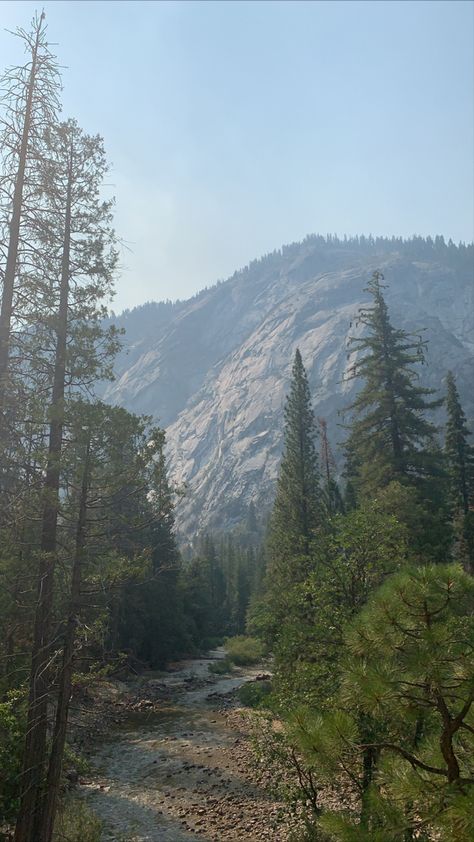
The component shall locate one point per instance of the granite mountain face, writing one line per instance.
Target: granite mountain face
(214, 370)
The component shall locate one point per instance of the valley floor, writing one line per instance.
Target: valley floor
(177, 764)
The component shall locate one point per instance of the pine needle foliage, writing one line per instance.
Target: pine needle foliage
(390, 439)
(296, 513)
(409, 676)
(359, 551)
(459, 452)
(459, 456)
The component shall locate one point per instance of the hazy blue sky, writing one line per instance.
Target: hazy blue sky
(236, 127)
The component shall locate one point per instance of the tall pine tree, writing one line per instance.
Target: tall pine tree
(29, 104)
(297, 511)
(77, 263)
(459, 454)
(390, 438)
(332, 496)
(391, 443)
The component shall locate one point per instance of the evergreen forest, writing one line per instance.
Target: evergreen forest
(356, 595)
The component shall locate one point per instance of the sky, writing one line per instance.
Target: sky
(235, 127)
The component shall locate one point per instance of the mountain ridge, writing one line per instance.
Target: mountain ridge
(215, 371)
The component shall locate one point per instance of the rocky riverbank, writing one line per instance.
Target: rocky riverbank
(176, 763)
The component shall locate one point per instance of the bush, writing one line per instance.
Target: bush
(243, 650)
(221, 667)
(76, 823)
(254, 693)
(408, 655)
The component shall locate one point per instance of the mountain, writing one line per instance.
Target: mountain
(214, 370)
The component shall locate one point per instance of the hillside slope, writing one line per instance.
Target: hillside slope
(215, 370)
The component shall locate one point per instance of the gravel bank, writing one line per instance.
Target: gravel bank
(176, 764)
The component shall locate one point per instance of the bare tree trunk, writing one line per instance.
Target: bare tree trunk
(14, 233)
(46, 825)
(35, 746)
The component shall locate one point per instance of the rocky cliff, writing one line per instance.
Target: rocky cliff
(214, 370)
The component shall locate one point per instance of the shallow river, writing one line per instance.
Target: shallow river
(177, 774)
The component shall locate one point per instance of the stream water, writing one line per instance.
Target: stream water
(172, 774)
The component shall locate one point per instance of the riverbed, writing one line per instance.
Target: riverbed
(181, 769)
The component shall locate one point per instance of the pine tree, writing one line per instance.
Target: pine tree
(407, 674)
(459, 454)
(58, 741)
(297, 511)
(297, 508)
(390, 439)
(217, 585)
(114, 482)
(332, 496)
(360, 550)
(150, 611)
(251, 526)
(30, 104)
(77, 262)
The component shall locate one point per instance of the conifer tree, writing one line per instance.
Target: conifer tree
(362, 548)
(150, 610)
(51, 796)
(115, 486)
(217, 585)
(30, 104)
(390, 439)
(332, 496)
(251, 526)
(77, 262)
(297, 511)
(408, 671)
(459, 454)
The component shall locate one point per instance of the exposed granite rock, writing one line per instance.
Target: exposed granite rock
(217, 372)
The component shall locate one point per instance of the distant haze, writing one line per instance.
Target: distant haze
(234, 127)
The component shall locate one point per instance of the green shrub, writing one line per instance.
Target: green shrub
(254, 693)
(76, 823)
(221, 667)
(243, 650)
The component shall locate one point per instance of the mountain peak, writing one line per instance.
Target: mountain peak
(214, 370)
